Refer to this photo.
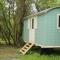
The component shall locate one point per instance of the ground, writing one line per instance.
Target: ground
(12, 53)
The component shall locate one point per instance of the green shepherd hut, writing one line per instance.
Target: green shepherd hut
(43, 28)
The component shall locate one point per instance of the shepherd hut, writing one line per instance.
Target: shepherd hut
(43, 28)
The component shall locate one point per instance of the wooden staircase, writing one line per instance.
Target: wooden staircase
(25, 48)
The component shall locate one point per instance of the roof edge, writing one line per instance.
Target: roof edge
(42, 12)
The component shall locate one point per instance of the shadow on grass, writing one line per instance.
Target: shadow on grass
(44, 51)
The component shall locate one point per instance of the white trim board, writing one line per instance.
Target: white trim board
(42, 46)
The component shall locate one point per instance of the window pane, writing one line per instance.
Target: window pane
(32, 23)
(59, 20)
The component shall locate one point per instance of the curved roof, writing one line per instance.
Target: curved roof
(42, 12)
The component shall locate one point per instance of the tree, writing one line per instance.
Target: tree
(44, 4)
(12, 13)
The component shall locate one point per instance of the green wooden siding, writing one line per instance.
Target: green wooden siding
(25, 31)
(47, 33)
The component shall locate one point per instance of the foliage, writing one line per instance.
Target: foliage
(12, 13)
(44, 4)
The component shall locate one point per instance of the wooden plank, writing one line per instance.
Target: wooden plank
(26, 47)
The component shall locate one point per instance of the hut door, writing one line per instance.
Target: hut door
(32, 35)
(32, 30)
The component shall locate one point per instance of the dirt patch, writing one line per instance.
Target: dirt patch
(9, 51)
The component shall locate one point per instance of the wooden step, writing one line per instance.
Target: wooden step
(25, 48)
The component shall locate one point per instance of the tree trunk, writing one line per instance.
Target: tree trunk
(21, 10)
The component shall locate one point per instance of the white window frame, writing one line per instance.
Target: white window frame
(30, 23)
(58, 21)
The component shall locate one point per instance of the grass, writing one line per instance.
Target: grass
(12, 53)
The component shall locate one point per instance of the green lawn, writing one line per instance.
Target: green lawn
(9, 53)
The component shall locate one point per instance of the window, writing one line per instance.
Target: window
(32, 23)
(59, 20)
(58, 24)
